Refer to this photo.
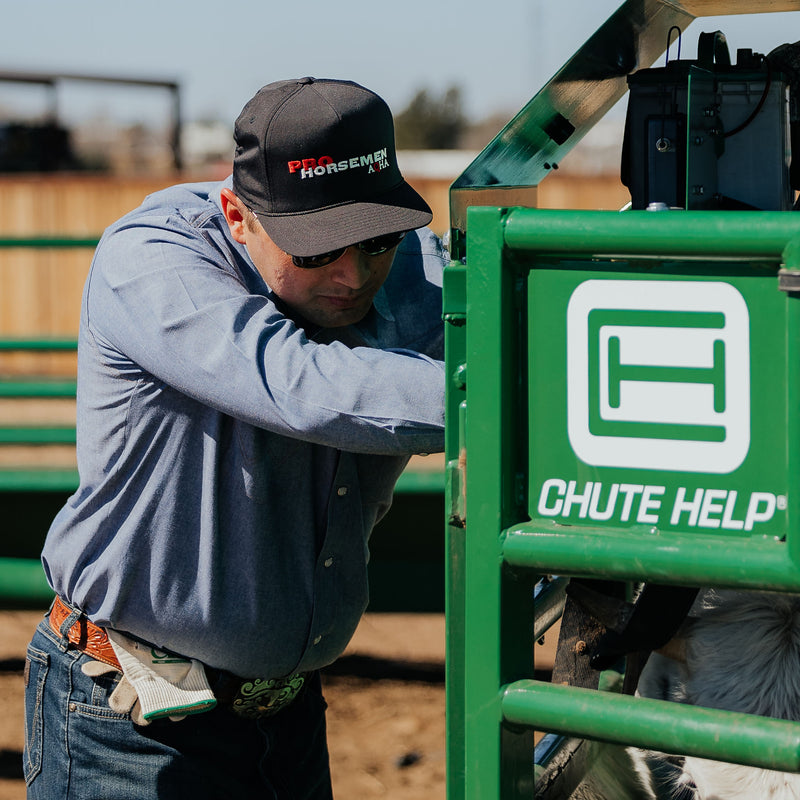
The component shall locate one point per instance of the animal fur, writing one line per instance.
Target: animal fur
(742, 654)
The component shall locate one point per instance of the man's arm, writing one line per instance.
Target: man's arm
(169, 303)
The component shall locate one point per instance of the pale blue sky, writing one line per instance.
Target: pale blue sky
(500, 53)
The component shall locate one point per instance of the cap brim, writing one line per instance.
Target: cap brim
(310, 233)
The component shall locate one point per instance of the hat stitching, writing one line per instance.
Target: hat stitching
(313, 88)
(268, 131)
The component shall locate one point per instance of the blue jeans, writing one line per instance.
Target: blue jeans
(77, 748)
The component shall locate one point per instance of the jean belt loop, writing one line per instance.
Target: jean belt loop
(64, 628)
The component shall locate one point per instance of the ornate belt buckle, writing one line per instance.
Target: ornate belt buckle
(263, 697)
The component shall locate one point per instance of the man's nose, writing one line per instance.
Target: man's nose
(352, 269)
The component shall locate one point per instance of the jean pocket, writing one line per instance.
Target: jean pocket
(37, 664)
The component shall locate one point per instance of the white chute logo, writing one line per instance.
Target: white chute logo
(658, 375)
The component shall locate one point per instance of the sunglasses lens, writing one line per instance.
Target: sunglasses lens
(372, 247)
(322, 260)
(380, 244)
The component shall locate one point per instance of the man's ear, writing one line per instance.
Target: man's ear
(233, 209)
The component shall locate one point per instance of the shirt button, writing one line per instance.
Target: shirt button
(341, 491)
(328, 562)
(317, 639)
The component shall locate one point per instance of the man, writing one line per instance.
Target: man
(258, 359)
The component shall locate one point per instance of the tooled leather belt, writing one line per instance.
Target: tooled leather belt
(258, 697)
(84, 634)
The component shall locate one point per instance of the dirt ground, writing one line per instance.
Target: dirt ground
(386, 709)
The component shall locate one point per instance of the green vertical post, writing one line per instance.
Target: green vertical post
(455, 411)
(498, 611)
(791, 368)
(484, 440)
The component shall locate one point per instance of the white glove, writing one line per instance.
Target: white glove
(166, 685)
(123, 699)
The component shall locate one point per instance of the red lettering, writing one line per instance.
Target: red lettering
(309, 163)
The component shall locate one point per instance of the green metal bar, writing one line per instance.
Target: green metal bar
(420, 482)
(30, 434)
(793, 423)
(55, 242)
(722, 234)
(454, 293)
(498, 614)
(22, 582)
(655, 724)
(38, 344)
(455, 541)
(38, 388)
(482, 609)
(692, 559)
(38, 480)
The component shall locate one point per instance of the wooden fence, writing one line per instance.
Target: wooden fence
(40, 289)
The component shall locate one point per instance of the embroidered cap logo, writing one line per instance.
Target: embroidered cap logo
(325, 165)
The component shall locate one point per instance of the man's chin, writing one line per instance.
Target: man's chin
(338, 317)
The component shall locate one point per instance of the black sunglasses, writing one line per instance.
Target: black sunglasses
(372, 247)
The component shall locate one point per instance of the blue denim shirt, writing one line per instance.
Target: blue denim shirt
(232, 464)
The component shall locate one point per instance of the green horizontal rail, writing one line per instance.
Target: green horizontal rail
(22, 582)
(689, 559)
(37, 435)
(41, 343)
(654, 724)
(726, 234)
(46, 479)
(420, 482)
(38, 387)
(49, 479)
(46, 242)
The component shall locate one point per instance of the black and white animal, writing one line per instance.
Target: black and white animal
(740, 651)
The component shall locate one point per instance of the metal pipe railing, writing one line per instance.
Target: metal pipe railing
(655, 724)
(23, 581)
(44, 242)
(666, 557)
(721, 234)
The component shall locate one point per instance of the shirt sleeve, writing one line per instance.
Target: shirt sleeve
(165, 300)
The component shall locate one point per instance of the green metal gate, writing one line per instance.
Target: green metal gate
(621, 399)
(562, 477)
